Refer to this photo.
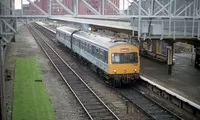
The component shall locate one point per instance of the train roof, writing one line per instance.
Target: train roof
(96, 39)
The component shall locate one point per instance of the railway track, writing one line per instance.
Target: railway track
(94, 107)
(150, 107)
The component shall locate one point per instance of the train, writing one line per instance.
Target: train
(115, 59)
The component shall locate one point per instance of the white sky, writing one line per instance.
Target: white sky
(18, 4)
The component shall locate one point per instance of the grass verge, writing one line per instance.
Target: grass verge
(31, 101)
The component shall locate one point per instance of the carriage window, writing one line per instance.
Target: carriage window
(90, 49)
(97, 52)
(122, 58)
(93, 50)
(87, 47)
(77, 42)
(74, 41)
(81, 44)
(67, 37)
(105, 56)
(101, 55)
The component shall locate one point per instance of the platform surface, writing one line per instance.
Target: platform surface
(185, 79)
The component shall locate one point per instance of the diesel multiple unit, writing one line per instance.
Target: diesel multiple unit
(117, 60)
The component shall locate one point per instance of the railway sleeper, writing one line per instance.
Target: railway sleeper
(164, 117)
(104, 113)
(147, 105)
(151, 108)
(105, 118)
(92, 103)
(155, 112)
(141, 102)
(90, 108)
(98, 110)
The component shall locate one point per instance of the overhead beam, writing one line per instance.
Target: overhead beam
(38, 7)
(64, 7)
(90, 8)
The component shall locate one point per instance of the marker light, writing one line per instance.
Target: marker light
(114, 71)
(135, 70)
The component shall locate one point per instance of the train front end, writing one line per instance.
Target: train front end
(124, 64)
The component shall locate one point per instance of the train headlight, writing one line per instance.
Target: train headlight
(114, 71)
(135, 70)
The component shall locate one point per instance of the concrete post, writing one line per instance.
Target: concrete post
(170, 58)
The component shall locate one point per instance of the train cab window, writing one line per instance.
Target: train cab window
(123, 58)
(115, 58)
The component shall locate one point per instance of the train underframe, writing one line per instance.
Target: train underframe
(124, 79)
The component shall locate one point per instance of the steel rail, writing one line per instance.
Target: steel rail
(73, 91)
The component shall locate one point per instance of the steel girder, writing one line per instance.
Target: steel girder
(174, 18)
(7, 30)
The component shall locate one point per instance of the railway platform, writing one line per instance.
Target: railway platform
(184, 81)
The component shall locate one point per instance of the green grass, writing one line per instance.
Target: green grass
(31, 101)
